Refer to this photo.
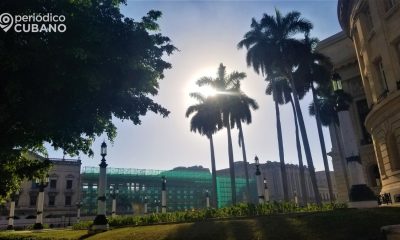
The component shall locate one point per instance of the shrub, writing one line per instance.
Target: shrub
(82, 225)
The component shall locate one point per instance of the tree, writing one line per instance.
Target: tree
(223, 84)
(206, 121)
(271, 46)
(65, 88)
(315, 68)
(282, 95)
(241, 112)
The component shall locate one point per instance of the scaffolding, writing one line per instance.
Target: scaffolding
(186, 189)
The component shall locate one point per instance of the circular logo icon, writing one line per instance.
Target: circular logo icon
(6, 21)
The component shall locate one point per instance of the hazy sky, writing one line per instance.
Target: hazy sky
(206, 33)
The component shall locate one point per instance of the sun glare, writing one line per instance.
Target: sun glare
(206, 91)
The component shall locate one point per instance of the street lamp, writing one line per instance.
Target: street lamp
(360, 195)
(100, 223)
(163, 194)
(78, 214)
(11, 216)
(207, 199)
(114, 194)
(145, 204)
(259, 181)
(41, 183)
(266, 193)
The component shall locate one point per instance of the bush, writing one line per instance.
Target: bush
(82, 225)
(240, 210)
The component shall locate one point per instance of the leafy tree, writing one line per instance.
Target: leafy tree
(272, 46)
(65, 88)
(206, 121)
(241, 112)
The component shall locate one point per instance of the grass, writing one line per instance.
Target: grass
(339, 224)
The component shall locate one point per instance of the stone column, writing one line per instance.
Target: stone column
(100, 223)
(360, 195)
(266, 191)
(207, 199)
(145, 204)
(114, 207)
(164, 195)
(12, 211)
(39, 211)
(259, 180)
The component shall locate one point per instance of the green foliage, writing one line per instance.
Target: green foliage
(82, 225)
(65, 88)
(240, 210)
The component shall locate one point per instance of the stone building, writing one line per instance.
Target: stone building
(60, 196)
(272, 172)
(374, 30)
(346, 64)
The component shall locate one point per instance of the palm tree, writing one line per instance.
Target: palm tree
(223, 83)
(282, 95)
(206, 121)
(272, 46)
(316, 68)
(241, 112)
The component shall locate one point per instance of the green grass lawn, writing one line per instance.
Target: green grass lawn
(340, 224)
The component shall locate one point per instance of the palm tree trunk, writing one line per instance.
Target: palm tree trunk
(246, 170)
(231, 162)
(213, 173)
(300, 156)
(306, 144)
(281, 153)
(322, 143)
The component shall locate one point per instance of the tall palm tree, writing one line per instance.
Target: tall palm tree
(282, 95)
(206, 121)
(241, 112)
(223, 83)
(315, 68)
(271, 44)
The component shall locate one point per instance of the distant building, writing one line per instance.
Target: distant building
(60, 196)
(272, 172)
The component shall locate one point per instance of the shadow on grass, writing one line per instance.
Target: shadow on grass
(215, 230)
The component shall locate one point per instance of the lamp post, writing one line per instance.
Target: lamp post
(114, 194)
(296, 199)
(11, 216)
(266, 192)
(145, 204)
(207, 199)
(360, 195)
(259, 181)
(156, 203)
(100, 223)
(78, 213)
(42, 184)
(163, 194)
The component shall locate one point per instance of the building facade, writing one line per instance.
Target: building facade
(374, 30)
(346, 64)
(60, 196)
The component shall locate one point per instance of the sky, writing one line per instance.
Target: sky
(206, 34)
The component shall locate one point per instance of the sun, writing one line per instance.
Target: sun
(206, 91)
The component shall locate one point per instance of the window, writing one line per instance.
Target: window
(52, 200)
(381, 76)
(53, 183)
(69, 184)
(32, 200)
(68, 200)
